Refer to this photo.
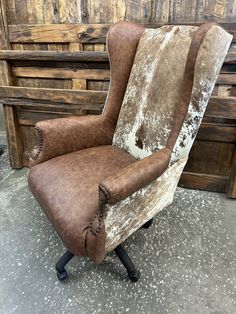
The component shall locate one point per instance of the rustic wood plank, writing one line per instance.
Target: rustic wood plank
(78, 83)
(108, 11)
(83, 56)
(4, 43)
(21, 12)
(51, 12)
(86, 98)
(221, 107)
(62, 73)
(159, 11)
(40, 105)
(80, 56)
(43, 83)
(73, 47)
(31, 117)
(72, 33)
(218, 161)
(68, 11)
(230, 57)
(58, 33)
(217, 132)
(203, 181)
(224, 91)
(228, 79)
(14, 137)
(231, 186)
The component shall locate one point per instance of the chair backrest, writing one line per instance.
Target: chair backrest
(154, 89)
(122, 41)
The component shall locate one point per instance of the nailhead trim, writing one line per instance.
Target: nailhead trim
(99, 214)
(40, 146)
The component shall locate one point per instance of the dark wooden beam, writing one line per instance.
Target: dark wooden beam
(80, 56)
(85, 98)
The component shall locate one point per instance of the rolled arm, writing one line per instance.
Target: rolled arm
(65, 135)
(134, 177)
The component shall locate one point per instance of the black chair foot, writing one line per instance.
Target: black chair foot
(148, 224)
(133, 273)
(60, 265)
(63, 275)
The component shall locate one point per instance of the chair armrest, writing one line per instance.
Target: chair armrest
(65, 135)
(134, 177)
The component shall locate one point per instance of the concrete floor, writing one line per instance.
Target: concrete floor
(187, 259)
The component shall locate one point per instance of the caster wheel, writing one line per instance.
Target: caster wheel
(62, 276)
(147, 224)
(134, 275)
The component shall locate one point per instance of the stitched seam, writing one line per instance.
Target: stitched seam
(39, 146)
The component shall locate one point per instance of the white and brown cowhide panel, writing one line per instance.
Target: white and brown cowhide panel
(125, 217)
(153, 90)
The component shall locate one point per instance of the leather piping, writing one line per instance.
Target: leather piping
(181, 110)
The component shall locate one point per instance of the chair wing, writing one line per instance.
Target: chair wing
(154, 89)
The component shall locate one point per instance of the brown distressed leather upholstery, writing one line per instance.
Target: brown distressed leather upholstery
(135, 176)
(76, 170)
(67, 189)
(65, 135)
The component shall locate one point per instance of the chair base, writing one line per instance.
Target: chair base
(147, 224)
(133, 273)
(60, 266)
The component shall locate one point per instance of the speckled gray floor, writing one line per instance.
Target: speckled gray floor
(187, 259)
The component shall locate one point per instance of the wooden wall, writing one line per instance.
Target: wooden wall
(109, 11)
(25, 25)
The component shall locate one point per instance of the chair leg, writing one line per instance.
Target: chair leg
(148, 224)
(133, 273)
(60, 265)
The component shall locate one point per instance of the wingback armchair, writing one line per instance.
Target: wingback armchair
(101, 178)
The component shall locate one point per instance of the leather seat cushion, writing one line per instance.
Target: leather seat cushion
(67, 189)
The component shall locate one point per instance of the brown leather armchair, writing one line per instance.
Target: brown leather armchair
(100, 178)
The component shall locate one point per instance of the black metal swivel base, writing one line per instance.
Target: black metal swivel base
(148, 224)
(133, 273)
(60, 265)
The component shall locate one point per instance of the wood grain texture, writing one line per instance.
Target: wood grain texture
(231, 184)
(82, 33)
(217, 132)
(80, 56)
(203, 181)
(88, 99)
(14, 139)
(58, 33)
(110, 11)
(222, 107)
(15, 145)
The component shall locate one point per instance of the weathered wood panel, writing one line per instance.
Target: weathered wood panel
(88, 99)
(58, 33)
(74, 33)
(79, 56)
(62, 73)
(110, 11)
(57, 30)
